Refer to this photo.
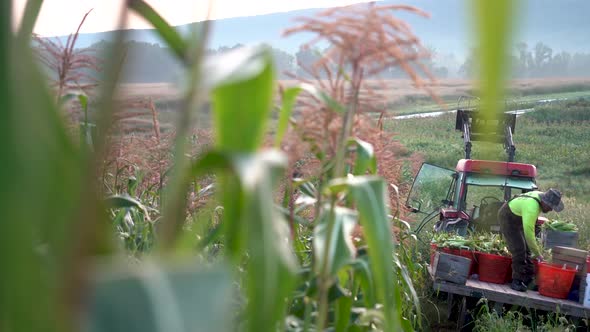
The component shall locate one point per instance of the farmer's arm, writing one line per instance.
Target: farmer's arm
(529, 219)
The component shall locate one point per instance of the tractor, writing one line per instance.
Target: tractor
(468, 198)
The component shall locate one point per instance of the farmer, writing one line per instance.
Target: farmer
(517, 219)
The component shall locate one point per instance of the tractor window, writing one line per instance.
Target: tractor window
(483, 203)
(430, 188)
(482, 195)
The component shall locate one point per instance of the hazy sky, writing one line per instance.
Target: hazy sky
(61, 17)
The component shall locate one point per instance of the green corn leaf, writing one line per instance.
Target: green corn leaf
(243, 81)
(271, 263)
(149, 298)
(404, 276)
(343, 310)
(124, 201)
(364, 277)
(288, 101)
(341, 251)
(243, 85)
(27, 23)
(494, 21)
(83, 99)
(50, 174)
(365, 157)
(168, 33)
(369, 195)
(256, 227)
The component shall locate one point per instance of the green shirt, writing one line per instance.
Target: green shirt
(529, 209)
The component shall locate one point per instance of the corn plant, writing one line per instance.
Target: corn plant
(68, 64)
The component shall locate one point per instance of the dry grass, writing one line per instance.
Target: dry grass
(391, 90)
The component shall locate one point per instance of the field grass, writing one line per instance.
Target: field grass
(555, 138)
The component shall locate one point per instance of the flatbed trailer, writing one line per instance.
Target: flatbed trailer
(503, 294)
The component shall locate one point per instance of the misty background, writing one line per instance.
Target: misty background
(551, 40)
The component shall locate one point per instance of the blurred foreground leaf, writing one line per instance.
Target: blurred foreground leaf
(257, 229)
(243, 81)
(494, 21)
(150, 298)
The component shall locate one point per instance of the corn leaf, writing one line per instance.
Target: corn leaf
(257, 228)
(149, 298)
(41, 165)
(341, 251)
(343, 310)
(493, 22)
(364, 279)
(368, 194)
(242, 97)
(123, 201)
(29, 18)
(365, 157)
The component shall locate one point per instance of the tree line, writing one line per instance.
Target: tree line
(152, 63)
(538, 61)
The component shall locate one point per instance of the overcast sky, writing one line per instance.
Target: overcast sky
(61, 17)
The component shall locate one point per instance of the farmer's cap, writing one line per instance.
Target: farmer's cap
(552, 197)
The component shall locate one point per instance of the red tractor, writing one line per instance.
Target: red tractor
(468, 198)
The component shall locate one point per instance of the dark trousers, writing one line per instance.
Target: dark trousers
(512, 229)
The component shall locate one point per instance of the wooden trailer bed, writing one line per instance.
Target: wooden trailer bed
(503, 294)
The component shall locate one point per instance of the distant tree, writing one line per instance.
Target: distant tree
(542, 58)
(467, 69)
(580, 64)
(522, 61)
(149, 63)
(559, 64)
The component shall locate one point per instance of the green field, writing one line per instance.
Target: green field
(411, 104)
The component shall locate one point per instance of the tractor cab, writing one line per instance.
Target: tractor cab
(470, 196)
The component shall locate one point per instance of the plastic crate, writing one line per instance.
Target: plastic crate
(553, 238)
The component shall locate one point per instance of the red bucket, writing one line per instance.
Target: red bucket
(493, 268)
(555, 280)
